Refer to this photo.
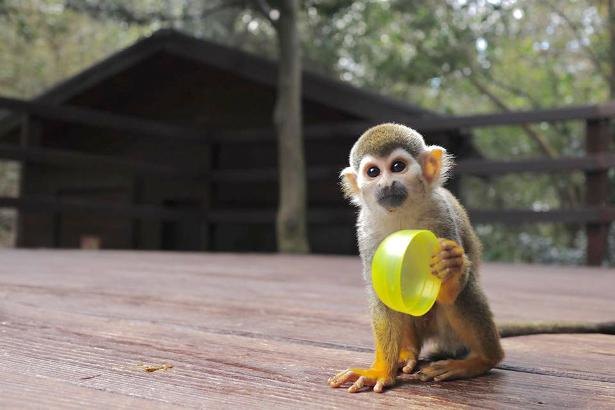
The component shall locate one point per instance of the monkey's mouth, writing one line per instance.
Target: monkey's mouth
(392, 196)
(392, 201)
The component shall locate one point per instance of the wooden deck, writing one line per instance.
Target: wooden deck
(78, 330)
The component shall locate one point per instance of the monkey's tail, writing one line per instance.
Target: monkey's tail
(536, 328)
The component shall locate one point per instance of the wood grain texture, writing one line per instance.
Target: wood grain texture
(265, 331)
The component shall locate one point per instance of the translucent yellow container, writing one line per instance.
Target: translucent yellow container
(401, 275)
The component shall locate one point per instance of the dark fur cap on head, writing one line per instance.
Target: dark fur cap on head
(383, 139)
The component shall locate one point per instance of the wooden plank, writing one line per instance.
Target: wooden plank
(500, 216)
(316, 215)
(572, 113)
(588, 357)
(526, 216)
(145, 211)
(66, 158)
(102, 119)
(224, 370)
(352, 129)
(598, 162)
(306, 292)
(34, 390)
(83, 321)
(322, 215)
(52, 204)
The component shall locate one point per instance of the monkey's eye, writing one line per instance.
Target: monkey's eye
(398, 166)
(373, 172)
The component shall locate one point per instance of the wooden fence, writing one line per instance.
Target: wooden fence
(597, 213)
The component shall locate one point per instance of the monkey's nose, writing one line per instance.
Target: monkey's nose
(391, 186)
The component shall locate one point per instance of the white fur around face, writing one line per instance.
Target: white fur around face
(411, 178)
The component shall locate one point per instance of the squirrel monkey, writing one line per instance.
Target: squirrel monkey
(396, 181)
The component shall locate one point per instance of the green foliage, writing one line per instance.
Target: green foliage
(453, 56)
(41, 43)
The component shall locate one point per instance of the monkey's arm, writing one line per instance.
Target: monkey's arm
(388, 327)
(466, 310)
(453, 266)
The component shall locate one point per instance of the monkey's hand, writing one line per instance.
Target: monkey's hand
(449, 264)
(378, 377)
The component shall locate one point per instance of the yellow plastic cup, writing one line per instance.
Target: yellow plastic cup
(401, 275)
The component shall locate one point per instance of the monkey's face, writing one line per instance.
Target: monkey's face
(392, 168)
(390, 181)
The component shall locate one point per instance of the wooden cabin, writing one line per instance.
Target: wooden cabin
(169, 144)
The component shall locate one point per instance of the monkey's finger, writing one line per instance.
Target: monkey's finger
(446, 244)
(379, 387)
(422, 376)
(451, 253)
(446, 376)
(343, 377)
(454, 261)
(446, 264)
(446, 255)
(442, 274)
(431, 371)
(454, 253)
(358, 385)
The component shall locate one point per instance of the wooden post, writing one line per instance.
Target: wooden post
(137, 198)
(30, 136)
(207, 229)
(597, 141)
(56, 226)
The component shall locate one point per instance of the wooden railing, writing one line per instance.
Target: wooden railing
(597, 213)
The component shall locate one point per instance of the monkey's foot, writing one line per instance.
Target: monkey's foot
(360, 378)
(452, 369)
(407, 360)
(448, 261)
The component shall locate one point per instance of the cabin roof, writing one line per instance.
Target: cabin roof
(336, 94)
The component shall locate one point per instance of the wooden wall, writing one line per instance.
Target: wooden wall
(179, 91)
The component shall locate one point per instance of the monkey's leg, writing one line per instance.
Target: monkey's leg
(451, 265)
(386, 325)
(410, 348)
(472, 322)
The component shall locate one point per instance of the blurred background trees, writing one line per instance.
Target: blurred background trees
(453, 56)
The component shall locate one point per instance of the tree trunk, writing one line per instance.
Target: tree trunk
(611, 17)
(291, 227)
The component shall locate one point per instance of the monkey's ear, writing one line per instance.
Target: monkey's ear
(349, 182)
(435, 163)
